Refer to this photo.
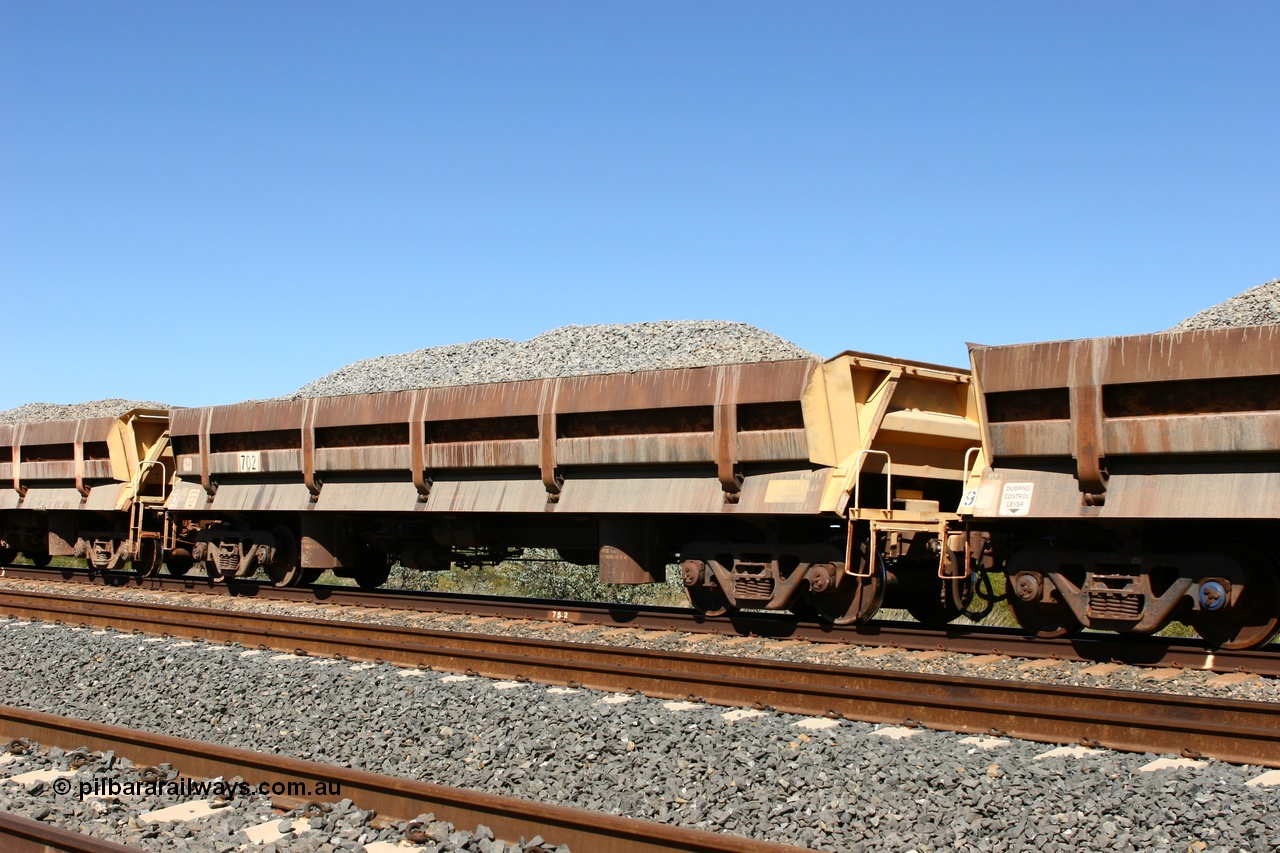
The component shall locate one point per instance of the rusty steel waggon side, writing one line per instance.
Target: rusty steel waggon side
(746, 474)
(1134, 480)
(752, 477)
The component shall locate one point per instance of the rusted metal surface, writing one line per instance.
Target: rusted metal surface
(392, 798)
(1216, 490)
(960, 639)
(84, 452)
(681, 426)
(1203, 405)
(214, 440)
(1198, 354)
(56, 451)
(1087, 429)
(23, 835)
(1244, 732)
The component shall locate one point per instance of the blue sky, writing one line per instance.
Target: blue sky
(207, 202)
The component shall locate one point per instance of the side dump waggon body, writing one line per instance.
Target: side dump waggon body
(752, 476)
(86, 488)
(1134, 480)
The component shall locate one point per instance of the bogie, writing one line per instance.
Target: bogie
(1228, 595)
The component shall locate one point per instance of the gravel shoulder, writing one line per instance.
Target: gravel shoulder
(107, 796)
(828, 785)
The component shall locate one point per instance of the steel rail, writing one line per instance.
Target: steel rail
(23, 835)
(393, 798)
(1231, 730)
(961, 639)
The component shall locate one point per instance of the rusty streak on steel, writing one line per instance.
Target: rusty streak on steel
(393, 798)
(23, 835)
(960, 639)
(1175, 425)
(1231, 730)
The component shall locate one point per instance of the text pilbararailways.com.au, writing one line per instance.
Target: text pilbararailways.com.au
(197, 788)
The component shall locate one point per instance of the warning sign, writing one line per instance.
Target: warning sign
(1016, 499)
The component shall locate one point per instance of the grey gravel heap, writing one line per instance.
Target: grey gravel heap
(29, 413)
(1255, 307)
(566, 351)
(759, 774)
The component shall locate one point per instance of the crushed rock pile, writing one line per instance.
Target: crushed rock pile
(1255, 307)
(566, 351)
(29, 413)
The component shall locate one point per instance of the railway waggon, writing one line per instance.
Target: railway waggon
(1131, 481)
(748, 476)
(91, 488)
(1115, 483)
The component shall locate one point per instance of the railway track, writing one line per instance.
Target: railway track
(23, 835)
(962, 639)
(393, 798)
(1231, 730)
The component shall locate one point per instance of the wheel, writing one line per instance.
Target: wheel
(373, 571)
(179, 561)
(579, 556)
(1042, 619)
(210, 564)
(7, 555)
(147, 563)
(372, 578)
(284, 568)
(705, 598)
(310, 576)
(38, 558)
(941, 602)
(1254, 620)
(852, 601)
